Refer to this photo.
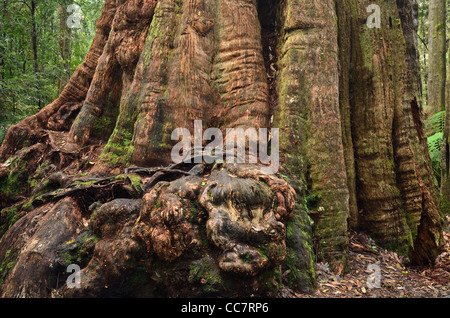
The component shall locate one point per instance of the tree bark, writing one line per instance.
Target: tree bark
(308, 113)
(347, 101)
(34, 36)
(395, 192)
(445, 153)
(437, 52)
(64, 46)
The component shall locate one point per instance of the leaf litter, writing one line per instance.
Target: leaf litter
(396, 280)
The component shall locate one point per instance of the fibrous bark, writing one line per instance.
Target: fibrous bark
(394, 187)
(308, 113)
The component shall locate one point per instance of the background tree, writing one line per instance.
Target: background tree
(441, 125)
(64, 45)
(30, 45)
(437, 55)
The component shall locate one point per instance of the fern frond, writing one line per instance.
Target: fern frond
(435, 124)
(434, 146)
(435, 143)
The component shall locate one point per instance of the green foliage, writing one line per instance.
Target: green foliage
(313, 200)
(435, 124)
(435, 132)
(27, 84)
(434, 145)
(20, 97)
(9, 217)
(7, 264)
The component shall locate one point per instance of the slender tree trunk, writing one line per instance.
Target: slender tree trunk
(2, 49)
(64, 46)
(436, 56)
(34, 45)
(2, 66)
(34, 36)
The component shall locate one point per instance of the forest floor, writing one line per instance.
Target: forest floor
(395, 279)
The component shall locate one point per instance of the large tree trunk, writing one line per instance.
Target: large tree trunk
(345, 97)
(308, 112)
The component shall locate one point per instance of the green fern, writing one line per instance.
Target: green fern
(435, 124)
(435, 132)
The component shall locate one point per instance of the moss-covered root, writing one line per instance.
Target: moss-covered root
(298, 270)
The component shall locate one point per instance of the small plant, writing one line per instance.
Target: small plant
(435, 133)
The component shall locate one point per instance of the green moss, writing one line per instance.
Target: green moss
(11, 217)
(28, 205)
(35, 179)
(299, 259)
(206, 274)
(210, 194)
(80, 250)
(7, 264)
(84, 183)
(19, 181)
(136, 181)
(313, 200)
(444, 205)
(398, 245)
(105, 123)
(11, 214)
(156, 205)
(12, 185)
(277, 274)
(194, 210)
(262, 249)
(115, 152)
(245, 258)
